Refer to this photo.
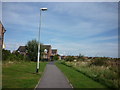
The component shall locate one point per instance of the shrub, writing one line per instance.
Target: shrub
(63, 62)
(56, 57)
(98, 61)
(7, 55)
(81, 57)
(69, 58)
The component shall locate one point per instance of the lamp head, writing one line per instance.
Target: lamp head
(43, 9)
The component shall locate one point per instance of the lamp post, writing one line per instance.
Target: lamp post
(41, 9)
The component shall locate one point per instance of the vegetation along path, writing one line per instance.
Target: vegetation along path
(77, 79)
(53, 78)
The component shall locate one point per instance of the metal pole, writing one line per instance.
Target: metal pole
(38, 58)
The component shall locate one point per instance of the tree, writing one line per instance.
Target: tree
(32, 50)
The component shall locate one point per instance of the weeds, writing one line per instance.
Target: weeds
(98, 69)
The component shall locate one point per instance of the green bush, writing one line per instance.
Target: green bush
(62, 62)
(56, 57)
(98, 61)
(69, 58)
(7, 55)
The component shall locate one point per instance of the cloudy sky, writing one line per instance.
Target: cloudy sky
(89, 28)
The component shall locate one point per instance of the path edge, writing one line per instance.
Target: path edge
(40, 78)
(65, 77)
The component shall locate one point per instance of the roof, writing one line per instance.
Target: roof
(22, 49)
(46, 47)
(54, 50)
(3, 27)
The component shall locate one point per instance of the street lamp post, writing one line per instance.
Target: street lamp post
(41, 9)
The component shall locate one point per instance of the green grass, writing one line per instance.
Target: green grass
(21, 75)
(102, 74)
(77, 79)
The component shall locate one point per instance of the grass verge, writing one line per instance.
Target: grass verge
(102, 74)
(77, 79)
(21, 75)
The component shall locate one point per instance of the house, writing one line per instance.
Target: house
(63, 57)
(22, 50)
(47, 51)
(2, 31)
(54, 52)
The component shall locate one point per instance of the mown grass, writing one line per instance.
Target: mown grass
(21, 74)
(77, 79)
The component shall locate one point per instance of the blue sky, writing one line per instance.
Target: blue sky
(89, 28)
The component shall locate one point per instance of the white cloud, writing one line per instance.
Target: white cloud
(67, 20)
(88, 49)
(82, 20)
(13, 45)
(87, 9)
(20, 14)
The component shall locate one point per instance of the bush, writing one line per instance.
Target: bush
(99, 70)
(69, 58)
(56, 57)
(63, 62)
(7, 55)
(98, 61)
(81, 57)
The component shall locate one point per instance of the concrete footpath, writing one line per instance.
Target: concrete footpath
(53, 78)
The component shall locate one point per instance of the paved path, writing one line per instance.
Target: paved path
(53, 78)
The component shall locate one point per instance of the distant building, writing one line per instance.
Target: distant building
(2, 31)
(54, 52)
(47, 51)
(63, 57)
(22, 50)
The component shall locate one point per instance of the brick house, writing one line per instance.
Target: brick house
(47, 51)
(2, 31)
(22, 50)
(54, 52)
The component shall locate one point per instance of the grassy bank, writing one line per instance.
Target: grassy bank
(21, 74)
(77, 79)
(105, 74)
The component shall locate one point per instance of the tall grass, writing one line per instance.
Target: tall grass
(77, 79)
(100, 71)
